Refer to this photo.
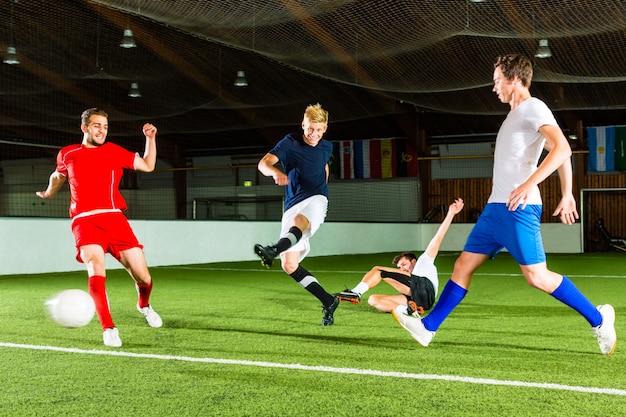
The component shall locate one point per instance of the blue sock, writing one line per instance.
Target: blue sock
(568, 294)
(450, 297)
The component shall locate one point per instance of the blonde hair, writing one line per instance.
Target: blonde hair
(314, 113)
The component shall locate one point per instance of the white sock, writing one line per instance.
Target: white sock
(400, 309)
(361, 288)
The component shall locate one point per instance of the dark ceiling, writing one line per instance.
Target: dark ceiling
(382, 68)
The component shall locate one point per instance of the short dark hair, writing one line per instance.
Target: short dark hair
(409, 255)
(515, 64)
(84, 118)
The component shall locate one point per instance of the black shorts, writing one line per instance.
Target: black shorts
(422, 290)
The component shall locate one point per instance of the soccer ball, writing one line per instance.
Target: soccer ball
(71, 308)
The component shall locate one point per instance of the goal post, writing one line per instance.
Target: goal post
(606, 204)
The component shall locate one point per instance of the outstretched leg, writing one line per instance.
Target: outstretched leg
(307, 281)
(134, 261)
(601, 318)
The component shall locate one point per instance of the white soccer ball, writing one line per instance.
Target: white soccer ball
(71, 308)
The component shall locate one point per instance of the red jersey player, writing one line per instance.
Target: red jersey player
(93, 170)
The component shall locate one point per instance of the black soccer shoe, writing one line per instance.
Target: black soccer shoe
(267, 254)
(329, 319)
(412, 309)
(348, 296)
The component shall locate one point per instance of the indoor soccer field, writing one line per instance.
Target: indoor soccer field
(241, 340)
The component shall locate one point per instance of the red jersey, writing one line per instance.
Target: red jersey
(94, 176)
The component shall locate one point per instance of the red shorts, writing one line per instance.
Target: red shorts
(109, 230)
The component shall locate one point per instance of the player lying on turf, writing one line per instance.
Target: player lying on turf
(415, 278)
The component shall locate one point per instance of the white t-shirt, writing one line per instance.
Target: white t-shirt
(518, 148)
(425, 267)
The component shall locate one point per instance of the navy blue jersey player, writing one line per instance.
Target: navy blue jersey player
(304, 159)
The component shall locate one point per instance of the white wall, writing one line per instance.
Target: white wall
(154, 197)
(32, 245)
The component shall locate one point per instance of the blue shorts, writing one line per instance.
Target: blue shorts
(518, 231)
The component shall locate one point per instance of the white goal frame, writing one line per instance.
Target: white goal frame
(582, 210)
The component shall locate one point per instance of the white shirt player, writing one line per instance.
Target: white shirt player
(425, 267)
(518, 148)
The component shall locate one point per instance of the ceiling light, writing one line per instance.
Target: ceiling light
(11, 56)
(128, 41)
(134, 91)
(544, 50)
(241, 81)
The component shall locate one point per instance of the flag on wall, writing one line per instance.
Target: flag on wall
(406, 159)
(375, 158)
(334, 165)
(347, 160)
(388, 158)
(366, 158)
(361, 158)
(620, 148)
(601, 142)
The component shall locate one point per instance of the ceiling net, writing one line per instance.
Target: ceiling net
(365, 60)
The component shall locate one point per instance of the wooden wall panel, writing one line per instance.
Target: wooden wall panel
(608, 206)
(611, 207)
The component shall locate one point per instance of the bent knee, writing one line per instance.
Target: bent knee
(143, 281)
(290, 267)
(373, 300)
(543, 279)
(301, 222)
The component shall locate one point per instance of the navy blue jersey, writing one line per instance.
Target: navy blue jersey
(304, 165)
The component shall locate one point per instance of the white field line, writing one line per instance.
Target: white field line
(329, 369)
(441, 273)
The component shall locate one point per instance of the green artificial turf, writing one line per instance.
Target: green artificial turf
(241, 340)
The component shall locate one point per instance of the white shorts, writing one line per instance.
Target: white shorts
(314, 209)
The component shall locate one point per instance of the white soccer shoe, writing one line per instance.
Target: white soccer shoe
(605, 332)
(413, 324)
(111, 337)
(152, 317)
